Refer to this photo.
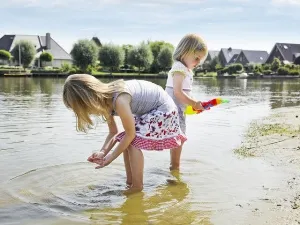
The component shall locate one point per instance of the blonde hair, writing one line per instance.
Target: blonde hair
(190, 43)
(86, 96)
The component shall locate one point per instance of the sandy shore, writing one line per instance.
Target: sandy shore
(276, 139)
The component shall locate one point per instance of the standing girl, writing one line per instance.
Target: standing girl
(148, 114)
(189, 53)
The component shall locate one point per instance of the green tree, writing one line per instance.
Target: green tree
(46, 57)
(164, 58)
(111, 56)
(140, 56)
(5, 55)
(156, 47)
(27, 52)
(275, 64)
(126, 49)
(84, 54)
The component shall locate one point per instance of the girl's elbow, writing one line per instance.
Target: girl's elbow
(131, 135)
(177, 93)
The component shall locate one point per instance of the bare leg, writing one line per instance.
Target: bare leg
(175, 154)
(136, 159)
(127, 168)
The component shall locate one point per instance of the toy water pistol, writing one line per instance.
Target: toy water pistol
(206, 105)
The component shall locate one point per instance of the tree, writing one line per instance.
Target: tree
(46, 57)
(212, 64)
(5, 55)
(84, 53)
(126, 49)
(156, 47)
(111, 56)
(275, 64)
(27, 52)
(297, 60)
(164, 58)
(140, 56)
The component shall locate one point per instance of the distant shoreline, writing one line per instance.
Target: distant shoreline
(156, 76)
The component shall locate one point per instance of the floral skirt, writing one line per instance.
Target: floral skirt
(157, 130)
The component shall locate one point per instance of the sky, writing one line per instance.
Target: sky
(243, 24)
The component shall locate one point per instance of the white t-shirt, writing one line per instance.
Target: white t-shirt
(187, 73)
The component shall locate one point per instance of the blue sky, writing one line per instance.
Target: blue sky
(246, 24)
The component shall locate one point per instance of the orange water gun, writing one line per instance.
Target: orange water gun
(206, 105)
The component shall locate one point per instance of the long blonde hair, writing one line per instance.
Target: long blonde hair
(190, 43)
(86, 96)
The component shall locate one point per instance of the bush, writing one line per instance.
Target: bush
(275, 64)
(46, 57)
(266, 67)
(294, 72)
(267, 72)
(282, 71)
(5, 55)
(66, 67)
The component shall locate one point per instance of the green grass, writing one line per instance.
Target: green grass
(262, 130)
(270, 129)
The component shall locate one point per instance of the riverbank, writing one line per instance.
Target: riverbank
(143, 76)
(276, 139)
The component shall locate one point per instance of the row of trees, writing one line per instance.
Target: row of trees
(24, 52)
(258, 69)
(90, 55)
(149, 57)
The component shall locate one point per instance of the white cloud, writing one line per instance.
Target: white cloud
(58, 3)
(223, 10)
(286, 2)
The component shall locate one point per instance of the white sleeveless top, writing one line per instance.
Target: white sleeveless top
(187, 73)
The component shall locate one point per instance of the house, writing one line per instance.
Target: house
(252, 56)
(211, 55)
(41, 44)
(285, 52)
(228, 56)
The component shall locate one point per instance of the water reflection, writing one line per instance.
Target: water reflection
(168, 205)
(37, 134)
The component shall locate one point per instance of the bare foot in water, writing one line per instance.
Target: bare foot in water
(128, 185)
(131, 190)
(176, 175)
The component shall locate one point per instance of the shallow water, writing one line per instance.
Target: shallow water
(45, 178)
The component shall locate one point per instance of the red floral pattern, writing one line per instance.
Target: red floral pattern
(157, 131)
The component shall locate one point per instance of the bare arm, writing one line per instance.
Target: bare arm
(180, 95)
(124, 111)
(110, 140)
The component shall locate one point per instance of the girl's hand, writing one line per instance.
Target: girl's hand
(106, 161)
(96, 157)
(198, 106)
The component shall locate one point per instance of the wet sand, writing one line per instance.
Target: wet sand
(276, 139)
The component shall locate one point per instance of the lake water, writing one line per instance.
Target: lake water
(45, 178)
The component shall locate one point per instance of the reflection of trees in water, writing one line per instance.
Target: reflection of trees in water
(17, 86)
(26, 90)
(168, 205)
(285, 93)
(280, 93)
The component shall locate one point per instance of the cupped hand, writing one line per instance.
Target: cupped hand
(106, 161)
